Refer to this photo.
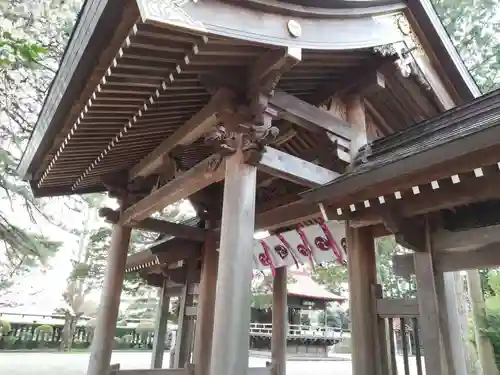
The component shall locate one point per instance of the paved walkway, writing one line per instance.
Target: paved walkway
(76, 364)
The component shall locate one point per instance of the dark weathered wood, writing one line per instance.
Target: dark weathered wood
(294, 169)
(160, 329)
(361, 261)
(183, 341)
(408, 233)
(205, 173)
(367, 79)
(469, 239)
(316, 24)
(279, 322)
(230, 340)
(308, 116)
(429, 311)
(206, 308)
(404, 342)
(188, 133)
(466, 192)
(159, 226)
(102, 343)
(486, 256)
(269, 68)
(390, 307)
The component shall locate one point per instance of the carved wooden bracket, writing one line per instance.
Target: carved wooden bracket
(408, 233)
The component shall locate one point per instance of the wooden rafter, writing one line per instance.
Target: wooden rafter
(160, 226)
(192, 130)
(367, 79)
(205, 173)
(294, 169)
(308, 116)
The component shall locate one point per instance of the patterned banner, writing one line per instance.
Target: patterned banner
(317, 243)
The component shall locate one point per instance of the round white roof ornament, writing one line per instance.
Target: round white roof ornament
(294, 28)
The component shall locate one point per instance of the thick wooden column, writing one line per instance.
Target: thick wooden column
(184, 339)
(206, 307)
(160, 328)
(430, 322)
(232, 305)
(102, 343)
(280, 322)
(362, 278)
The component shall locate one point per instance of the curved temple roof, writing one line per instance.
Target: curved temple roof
(134, 73)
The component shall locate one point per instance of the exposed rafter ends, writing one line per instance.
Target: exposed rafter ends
(159, 226)
(308, 116)
(205, 173)
(192, 130)
(294, 169)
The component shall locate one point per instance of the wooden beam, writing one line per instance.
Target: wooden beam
(486, 256)
(205, 173)
(268, 69)
(308, 116)
(188, 133)
(294, 169)
(362, 80)
(408, 233)
(469, 239)
(159, 226)
(395, 308)
(286, 215)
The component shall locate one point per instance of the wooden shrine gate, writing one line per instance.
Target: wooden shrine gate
(242, 108)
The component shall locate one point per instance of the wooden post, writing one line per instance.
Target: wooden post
(280, 320)
(232, 305)
(432, 335)
(102, 343)
(206, 307)
(161, 328)
(183, 343)
(362, 276)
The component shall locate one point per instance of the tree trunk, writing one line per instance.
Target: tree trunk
(68, 332)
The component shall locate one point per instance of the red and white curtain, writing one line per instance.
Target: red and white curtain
(317, 243)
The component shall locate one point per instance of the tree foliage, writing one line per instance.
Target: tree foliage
(33, 34)
(474, 27)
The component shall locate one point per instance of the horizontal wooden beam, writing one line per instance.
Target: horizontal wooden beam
(487, 256)
(159, 226)
(205, 173)
(390, 308)
(286, 215)
(362, 80)
(308, 116)
(473, 238)
(294, 169)
(447, 196)
(188, 133)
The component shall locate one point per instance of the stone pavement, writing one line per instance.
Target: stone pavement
(76, 364)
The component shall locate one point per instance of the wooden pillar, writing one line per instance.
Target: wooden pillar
(161, 328)
(206, 307)
(102, 343)
(184, 339)
(430, 322)
(232, 305)
(362, 278)
(280, 322)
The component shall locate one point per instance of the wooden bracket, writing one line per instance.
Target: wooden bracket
(408, 233)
